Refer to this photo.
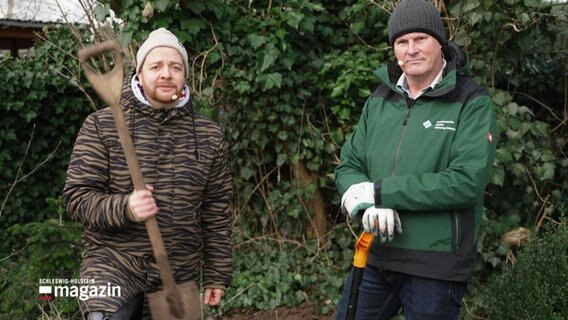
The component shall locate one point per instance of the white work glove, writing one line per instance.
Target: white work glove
(358, 197)
(382, 222)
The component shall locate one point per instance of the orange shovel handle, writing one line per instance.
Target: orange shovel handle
(362, 249)
(359, 263)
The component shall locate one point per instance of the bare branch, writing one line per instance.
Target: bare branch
(17, 179)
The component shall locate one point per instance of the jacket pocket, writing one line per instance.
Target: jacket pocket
(456, 233)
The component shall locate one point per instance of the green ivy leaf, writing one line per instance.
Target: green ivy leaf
(307, 24)
(504, 155)
(518, 169)
(512, 108)
(193, 26)
(288, 60)
(196, 6)
(513, 134)
(357, 26)
(271, 80)
(294, 18)
(256, 41)
(269, 57)
(533, 3)
(281, 159)
(242, 86)
(336, 91)
(161, 5)
(125, 38)
(500, 98)
(545, 171)
(246, 173)
(498, 175)
(101, 11)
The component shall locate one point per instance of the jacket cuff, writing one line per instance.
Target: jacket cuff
(215, 286)
(378, 197)
(129, 215)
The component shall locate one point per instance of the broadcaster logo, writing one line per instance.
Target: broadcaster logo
(82, 290)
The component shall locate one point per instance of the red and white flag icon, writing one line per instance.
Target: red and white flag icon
(45, 293)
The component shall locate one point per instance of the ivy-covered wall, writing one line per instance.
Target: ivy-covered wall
(287, 80)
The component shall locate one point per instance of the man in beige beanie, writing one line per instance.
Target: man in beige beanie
(162, 68)
(184, 162)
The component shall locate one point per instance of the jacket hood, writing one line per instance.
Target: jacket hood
(129, 100)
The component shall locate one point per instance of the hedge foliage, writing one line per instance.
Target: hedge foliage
(287, 80)
(42, 110)
(536, 286)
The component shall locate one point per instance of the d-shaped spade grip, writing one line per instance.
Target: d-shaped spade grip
(362, 250)
(108, 85)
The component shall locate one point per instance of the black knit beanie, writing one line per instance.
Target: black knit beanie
(416, 16)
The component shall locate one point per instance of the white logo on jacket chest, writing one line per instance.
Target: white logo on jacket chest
(440, 125)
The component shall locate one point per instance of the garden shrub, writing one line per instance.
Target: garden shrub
(47, 249)
(536, 286)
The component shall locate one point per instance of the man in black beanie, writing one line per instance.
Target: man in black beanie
(419, 160)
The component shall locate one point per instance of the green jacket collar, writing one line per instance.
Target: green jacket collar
(390, 73)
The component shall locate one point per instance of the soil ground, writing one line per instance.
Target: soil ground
(304, 311)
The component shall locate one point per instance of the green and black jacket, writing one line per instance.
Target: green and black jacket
(434, 156)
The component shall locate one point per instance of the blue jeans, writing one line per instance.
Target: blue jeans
(382, 293)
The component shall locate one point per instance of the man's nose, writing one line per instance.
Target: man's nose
(165, 73)
(411, 47)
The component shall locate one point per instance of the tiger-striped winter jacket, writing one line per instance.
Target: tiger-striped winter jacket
(181, 154)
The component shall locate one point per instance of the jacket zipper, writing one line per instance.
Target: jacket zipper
(407, 115)
(409, 104)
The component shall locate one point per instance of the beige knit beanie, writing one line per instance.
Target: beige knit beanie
(161, 38)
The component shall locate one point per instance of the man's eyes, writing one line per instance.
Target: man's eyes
(175, 67)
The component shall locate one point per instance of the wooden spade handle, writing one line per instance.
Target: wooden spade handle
(109, 87)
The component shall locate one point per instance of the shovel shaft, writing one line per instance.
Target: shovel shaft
(154, 233)
(109, 88)
(354, 293)
(359, 263)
